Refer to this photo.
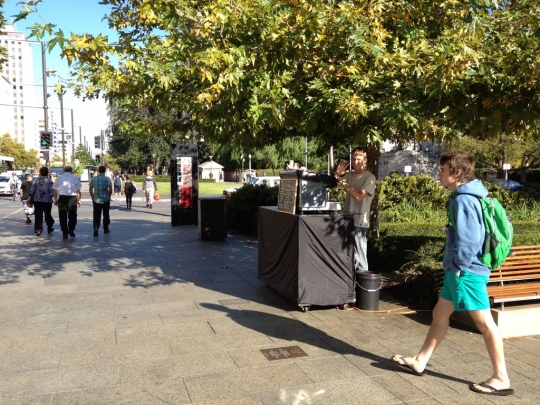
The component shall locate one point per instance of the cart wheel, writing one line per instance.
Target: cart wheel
(305, 309)
(343, 306)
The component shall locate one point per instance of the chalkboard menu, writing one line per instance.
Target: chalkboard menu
(287, 195)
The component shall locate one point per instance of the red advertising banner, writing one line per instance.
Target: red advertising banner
(186, 196)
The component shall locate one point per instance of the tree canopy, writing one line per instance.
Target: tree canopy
(3, 49)
(254, 72)
(12, 148)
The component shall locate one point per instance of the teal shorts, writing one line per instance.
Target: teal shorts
(466, 290)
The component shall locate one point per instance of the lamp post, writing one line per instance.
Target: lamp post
(506, 167)
(154, 163)
(249, 156)
(243, 160)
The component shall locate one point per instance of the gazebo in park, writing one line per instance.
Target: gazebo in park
(211, 170)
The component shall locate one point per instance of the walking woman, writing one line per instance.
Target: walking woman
(41, 193)
(129, 189)
(149, 187)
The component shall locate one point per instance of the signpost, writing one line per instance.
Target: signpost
(506, 167)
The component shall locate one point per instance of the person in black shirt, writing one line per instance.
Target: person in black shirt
(24, 194)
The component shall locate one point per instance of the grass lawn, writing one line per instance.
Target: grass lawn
(204, 188)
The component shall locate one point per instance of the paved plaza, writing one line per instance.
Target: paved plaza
(150, 314)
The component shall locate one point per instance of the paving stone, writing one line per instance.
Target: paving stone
(135, 317)
(219, 387)
(44, 399)
(357, 391)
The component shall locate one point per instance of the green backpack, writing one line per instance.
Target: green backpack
(499, 232)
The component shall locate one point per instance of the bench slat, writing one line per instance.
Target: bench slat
(523, 266)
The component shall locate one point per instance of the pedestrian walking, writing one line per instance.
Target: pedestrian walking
(129, 189)
(100, 189)
(24, 193)
(67, 196)
(466, 277)
(41, 195)
(149, 187)
(117, 187)
(14, 185)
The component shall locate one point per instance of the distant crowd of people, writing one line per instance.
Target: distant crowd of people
(39, 194)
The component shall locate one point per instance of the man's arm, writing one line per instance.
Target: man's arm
(91, 191)
(55, 196)
(357, 195)
(79, 198)
(109, 189)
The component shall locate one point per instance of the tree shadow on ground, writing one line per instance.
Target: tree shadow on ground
(285, 329)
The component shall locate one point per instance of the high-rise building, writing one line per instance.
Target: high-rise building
(19, 73)
(7, 122)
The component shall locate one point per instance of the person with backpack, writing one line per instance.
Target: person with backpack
(129, 189)
(466, 276)
(149, 187)
(41, 197)
(117, 187)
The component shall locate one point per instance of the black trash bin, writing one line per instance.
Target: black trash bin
(368, 286)
(212, 217)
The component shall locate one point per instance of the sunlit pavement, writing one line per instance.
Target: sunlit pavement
(150, 314)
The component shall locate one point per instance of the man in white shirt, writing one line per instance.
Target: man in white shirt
(14, 184)
(67, 196)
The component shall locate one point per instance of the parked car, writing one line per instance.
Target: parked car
(269, 181)
(508, 184)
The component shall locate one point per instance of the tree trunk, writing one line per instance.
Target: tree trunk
(373, 156)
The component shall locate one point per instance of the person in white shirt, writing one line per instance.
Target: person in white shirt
(67, 196)
(14, 184)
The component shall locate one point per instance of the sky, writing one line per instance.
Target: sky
(77, 16)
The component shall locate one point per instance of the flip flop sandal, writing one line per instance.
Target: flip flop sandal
(407, 367)
(493, 391)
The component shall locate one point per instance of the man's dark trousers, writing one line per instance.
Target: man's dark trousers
(67, 213)
(98, 209)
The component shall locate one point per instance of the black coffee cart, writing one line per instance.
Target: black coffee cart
(305, 245)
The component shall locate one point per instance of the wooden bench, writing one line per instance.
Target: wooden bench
(518, 278)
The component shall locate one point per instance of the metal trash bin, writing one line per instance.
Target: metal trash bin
(212, 217)
(368, 286)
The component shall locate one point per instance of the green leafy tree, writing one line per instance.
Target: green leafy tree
(22, 158)
(3, 49)
(84, 157)
(521, 153)
(254, 72)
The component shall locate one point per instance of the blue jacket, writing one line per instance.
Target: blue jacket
(464, 243)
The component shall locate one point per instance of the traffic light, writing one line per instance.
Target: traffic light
(45, 139)
(97, 142)
(98, 158)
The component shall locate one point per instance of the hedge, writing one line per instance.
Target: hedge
(159, 178)
(400, 246)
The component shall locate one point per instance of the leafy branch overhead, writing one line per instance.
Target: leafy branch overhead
(253, 72)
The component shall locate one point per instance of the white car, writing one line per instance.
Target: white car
(269, 181)
(4, 184)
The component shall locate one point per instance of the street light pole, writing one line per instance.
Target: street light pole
(62, 123)
(45, 95)
(249, 166)
(243, 160)
(72, 139)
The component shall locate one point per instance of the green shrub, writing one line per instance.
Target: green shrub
(243, 207)
(207, 180)
(397, 188)
(417, 249)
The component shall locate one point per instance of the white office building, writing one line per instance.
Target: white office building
(7, 122)
(21, 104)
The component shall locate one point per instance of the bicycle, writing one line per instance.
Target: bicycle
(14, 191)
